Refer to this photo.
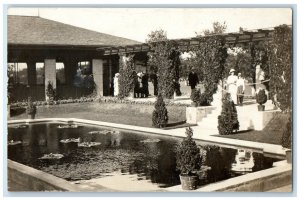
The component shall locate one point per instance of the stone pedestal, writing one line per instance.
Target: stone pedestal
(259, 120)
(196, 114)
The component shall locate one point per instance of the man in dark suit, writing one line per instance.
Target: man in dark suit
(193, 79)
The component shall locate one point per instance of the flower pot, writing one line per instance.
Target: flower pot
(261, 108)
(288, 155)
(188, 182)
(194, 104)
(31, 116)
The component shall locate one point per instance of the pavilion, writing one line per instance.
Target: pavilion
(33, 40)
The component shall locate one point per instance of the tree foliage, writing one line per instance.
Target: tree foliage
(218, 28)
(188, 157)
(210, 58)
(127, 76)
(164, 59)
(281, 62)
(240, 59)
(228, 120)
(286, 140)
(160, 114)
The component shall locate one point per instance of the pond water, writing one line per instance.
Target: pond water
(145, 156)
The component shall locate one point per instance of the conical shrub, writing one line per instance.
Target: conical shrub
(160, 113)
(228, 120)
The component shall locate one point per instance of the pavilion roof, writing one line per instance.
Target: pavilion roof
(33, 30)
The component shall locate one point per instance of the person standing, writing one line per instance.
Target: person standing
(145, 84)
(116, 84)
(193, 80)
(153, 78)
(240, 89)
(231, 85)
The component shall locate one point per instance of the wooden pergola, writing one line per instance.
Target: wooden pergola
(231, 39)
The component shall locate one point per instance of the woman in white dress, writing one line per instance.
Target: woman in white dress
(116, 84)
(231, 85)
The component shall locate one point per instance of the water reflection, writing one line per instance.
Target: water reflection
(148, 157)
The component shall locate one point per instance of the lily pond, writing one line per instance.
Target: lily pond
(86, 152)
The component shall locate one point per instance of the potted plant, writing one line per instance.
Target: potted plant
(286, 141)
(188, 161)
(30, 109)
(261, 98)
(195, 97)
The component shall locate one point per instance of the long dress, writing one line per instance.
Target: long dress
(116, 86)
(232, 87)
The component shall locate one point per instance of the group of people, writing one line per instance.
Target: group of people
(141, 86)
(235, 85)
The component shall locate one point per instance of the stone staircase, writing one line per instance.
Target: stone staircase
(246, 114)
(210, 122)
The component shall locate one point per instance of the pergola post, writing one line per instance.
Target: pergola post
(97, 66)
(50, 74)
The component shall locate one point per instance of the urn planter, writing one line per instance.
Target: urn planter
(188, 182)
(288, 155)
(261, 107)
(31, 116)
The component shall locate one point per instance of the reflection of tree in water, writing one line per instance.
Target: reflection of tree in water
(155, 166)
(220, 160)
(261, 162)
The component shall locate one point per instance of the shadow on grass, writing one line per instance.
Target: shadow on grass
(17, 111)
(180, 124)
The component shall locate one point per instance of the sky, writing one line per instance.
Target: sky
(137, 23)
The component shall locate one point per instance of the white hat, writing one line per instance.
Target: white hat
(231, 70)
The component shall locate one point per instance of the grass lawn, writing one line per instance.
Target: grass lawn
(270, 134)
(141, 115)
(135, 114)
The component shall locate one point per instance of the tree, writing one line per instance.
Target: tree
(240, 59)
(218, 28)
(164, 59)
(127, 76)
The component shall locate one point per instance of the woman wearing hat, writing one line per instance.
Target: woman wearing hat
(231, 85)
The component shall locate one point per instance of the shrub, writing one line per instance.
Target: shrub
(228, 120)
(205, 99)
(50, 92)
(127, 76)
(261, 97)
(188, 157)
(286, 140)
(160, 113)
(195, 95)
(31, 108)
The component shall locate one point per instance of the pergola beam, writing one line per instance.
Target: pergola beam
(186, 43)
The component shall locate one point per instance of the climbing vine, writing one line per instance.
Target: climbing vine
(210, 57)
(127, 76)
(281, 62)
(164, 59)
